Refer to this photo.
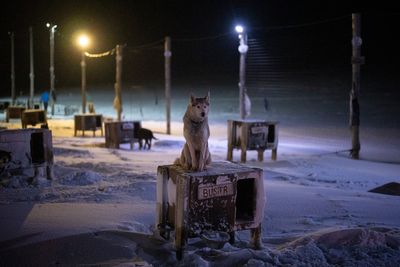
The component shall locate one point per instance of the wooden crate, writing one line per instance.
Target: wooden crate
(33, 117)
(85, 122)
(252, 135)
(25, 151)
(119, 132)
(225, 197)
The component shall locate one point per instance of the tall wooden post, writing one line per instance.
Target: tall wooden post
(356, 61)
(167, 55)
(52, 76)
(83, 82)
(118, 81)
(31, 74)
(242, 74)
(13, 96)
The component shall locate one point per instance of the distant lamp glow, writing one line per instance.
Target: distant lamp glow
(83, 41)
(48, 25)
(239, 29)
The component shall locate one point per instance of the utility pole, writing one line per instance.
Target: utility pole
(13, 97)
(31, 74)
(83, 82)
(118, 79)
(243, 48)
(167, 55)
(52, 29)
(356, 61)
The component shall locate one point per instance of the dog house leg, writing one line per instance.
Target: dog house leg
(243, 155)
(232, 237)
(274, 154)
(256, 237)
(49, 172)
(260, 154)
(162, 202)
(230, 152)
(180, 226)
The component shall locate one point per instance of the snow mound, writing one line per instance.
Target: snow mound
(81, 178)
(67, 152)
(346, 247)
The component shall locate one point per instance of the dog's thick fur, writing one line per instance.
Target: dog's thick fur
(195, 154)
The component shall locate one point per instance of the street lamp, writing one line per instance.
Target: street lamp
(52, 29)
(243, 48)
(83, 42)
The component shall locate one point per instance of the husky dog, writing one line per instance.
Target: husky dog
(147, 136)
(195, 154)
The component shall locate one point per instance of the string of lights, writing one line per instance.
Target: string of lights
(104, 54)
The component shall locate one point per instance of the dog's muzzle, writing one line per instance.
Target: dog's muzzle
(203, 114)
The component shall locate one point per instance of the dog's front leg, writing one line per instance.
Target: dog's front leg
(202, 157)
(192, 151)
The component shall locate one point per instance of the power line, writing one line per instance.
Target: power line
(202, 38)
(146, 45)
(307, 24)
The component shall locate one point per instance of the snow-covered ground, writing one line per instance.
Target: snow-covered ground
(100, 207)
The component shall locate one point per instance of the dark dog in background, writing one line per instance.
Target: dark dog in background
(146, 135)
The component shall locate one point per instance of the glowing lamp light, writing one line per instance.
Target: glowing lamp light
(239, 29)
(48, 25)
(83, 41)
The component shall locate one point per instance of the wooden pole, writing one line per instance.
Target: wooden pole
(13, 96)
(31, 74)
(52, 76)
(356, 61)
(118, 80)
(242, 75)
(83, 92)
(167, 55)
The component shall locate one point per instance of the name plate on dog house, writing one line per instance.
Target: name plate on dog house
(226, 197)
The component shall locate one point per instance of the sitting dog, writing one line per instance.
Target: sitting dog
(146, 135)
(195, 154)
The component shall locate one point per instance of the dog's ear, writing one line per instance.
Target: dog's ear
(192, 99)
(208, 97)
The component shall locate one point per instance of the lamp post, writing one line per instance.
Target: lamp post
(13, 97)
(83, 42)
(243, 48)
(52, 29)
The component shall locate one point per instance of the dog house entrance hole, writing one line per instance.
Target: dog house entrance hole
(37, 148)
(245, 200)
(271, 133)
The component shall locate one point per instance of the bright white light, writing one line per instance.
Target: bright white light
(48, 25)
(83, 41)
(239, 29)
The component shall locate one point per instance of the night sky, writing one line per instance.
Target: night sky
(142, 22)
